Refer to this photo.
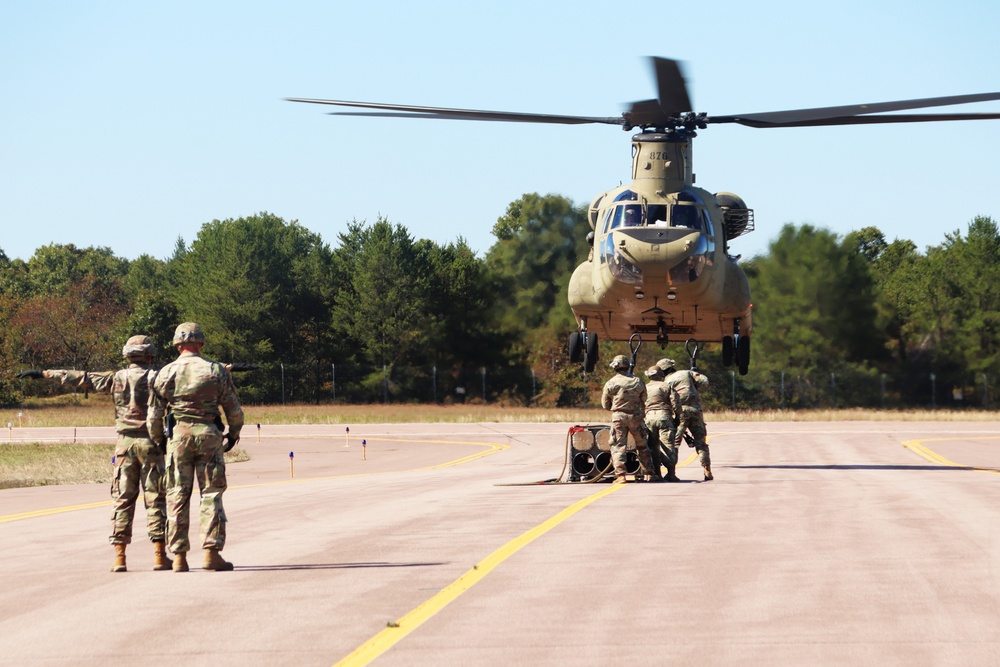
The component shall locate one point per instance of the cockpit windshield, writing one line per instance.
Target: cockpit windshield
(689, 212)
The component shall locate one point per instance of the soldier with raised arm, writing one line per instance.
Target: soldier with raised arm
(688, 384)
(195, 389)
(625, 395)
(139, 462)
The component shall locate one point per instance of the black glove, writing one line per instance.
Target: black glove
(218, 423)
(230, 442)
(30, 374)
(242, 368)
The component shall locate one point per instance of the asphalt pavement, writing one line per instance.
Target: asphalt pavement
(817, 543)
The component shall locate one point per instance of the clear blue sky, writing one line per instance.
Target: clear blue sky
(128, 124)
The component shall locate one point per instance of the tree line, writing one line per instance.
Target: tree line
(394, 309)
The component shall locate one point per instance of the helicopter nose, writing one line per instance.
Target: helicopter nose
(653, 249)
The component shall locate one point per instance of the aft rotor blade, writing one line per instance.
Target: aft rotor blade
(441, 113)
(802, 117)
(868, 120)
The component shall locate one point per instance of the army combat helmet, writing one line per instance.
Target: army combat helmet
(139, 346)
(654, 372)
(619, 363)
(668, 366)
(188, 332)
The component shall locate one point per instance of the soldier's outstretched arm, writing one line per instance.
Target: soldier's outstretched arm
(241, 367)
(86, 380)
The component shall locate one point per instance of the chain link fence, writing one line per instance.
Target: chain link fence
(781, 390)
(519, 385)
(358, 383)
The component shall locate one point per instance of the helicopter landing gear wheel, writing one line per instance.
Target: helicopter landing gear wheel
(727, 351)
(743, 354)
(590, 352)
(575, 347)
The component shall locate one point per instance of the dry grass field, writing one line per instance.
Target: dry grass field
(97, 410)
(36, 464)
(44, 464)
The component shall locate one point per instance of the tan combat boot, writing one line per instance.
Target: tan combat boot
(119, 564)
(180, 562)
(708, 473)
(160, 560)
(620, 480)
(214, 561)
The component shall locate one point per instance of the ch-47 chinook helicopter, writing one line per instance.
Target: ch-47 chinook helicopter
(660, 261)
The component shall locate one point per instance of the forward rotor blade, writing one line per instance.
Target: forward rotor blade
(866, 120)
(647, 113)
(799, 117)
(673, 97)
(443, 113)
(671, 87)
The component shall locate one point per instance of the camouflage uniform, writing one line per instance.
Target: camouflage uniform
(662, 402)
(690, 417)
(139, 462)
(625, 396)
(194, 388)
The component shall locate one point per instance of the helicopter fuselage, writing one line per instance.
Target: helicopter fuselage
(659, 262)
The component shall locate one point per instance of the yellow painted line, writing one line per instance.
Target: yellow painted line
(918, 447)
(53, 510)
(387, 638)
(490, 448)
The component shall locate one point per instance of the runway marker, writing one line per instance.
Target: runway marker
(291, 464)
(347, 436)
(364, 449)
(258, 432)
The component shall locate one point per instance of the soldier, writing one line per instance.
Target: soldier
(194, 388)
(138, 460)
(687, 384)
(661, 404)
(625, 396)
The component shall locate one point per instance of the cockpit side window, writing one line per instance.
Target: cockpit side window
(616, 217)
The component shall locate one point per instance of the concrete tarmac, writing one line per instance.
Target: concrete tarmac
(818, 543)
